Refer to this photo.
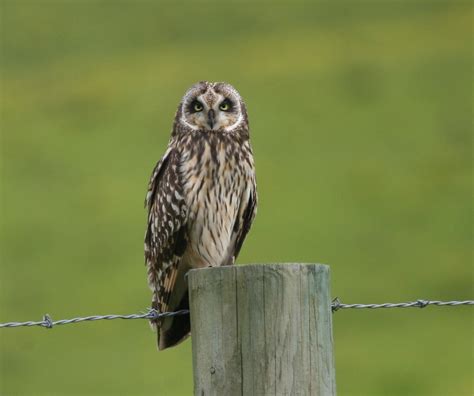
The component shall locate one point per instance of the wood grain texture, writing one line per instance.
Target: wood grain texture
(262, 330)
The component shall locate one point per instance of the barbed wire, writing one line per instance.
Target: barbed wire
(153, 314)
(150, 314)
(336, 304)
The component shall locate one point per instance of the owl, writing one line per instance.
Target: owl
(201, 199)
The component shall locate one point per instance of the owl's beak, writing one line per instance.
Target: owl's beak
(211, 118)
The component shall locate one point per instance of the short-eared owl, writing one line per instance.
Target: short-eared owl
(201, 199)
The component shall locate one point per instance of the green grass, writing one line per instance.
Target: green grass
(361, 125)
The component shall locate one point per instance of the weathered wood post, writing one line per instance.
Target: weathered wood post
(262, 330)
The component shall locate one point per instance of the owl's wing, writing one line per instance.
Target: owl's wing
(245, 218)
(165, 238)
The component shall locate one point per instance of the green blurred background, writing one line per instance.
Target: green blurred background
(361, 125)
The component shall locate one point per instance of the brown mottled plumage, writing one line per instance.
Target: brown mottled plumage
(201, 199)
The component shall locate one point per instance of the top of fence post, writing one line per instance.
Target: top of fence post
(262, 329)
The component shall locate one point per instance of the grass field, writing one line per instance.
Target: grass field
(361, 122)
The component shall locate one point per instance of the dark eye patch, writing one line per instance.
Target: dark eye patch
(194, 106)
(229, 103)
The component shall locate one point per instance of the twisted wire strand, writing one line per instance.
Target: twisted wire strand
(152, 314)
(337, 304)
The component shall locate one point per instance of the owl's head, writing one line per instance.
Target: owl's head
(212, 107)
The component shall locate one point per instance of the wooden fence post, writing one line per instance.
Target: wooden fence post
(262, 330)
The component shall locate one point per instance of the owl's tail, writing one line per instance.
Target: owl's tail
(174, 329)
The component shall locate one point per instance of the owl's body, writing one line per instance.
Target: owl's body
(201, 199)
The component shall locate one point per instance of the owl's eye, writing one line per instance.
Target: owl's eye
(196, 106)
(225, 105)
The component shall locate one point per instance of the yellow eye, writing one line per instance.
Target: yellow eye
(197, 106)
(225, 105)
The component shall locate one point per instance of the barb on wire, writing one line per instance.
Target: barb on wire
(47, 322)
(337, 304)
